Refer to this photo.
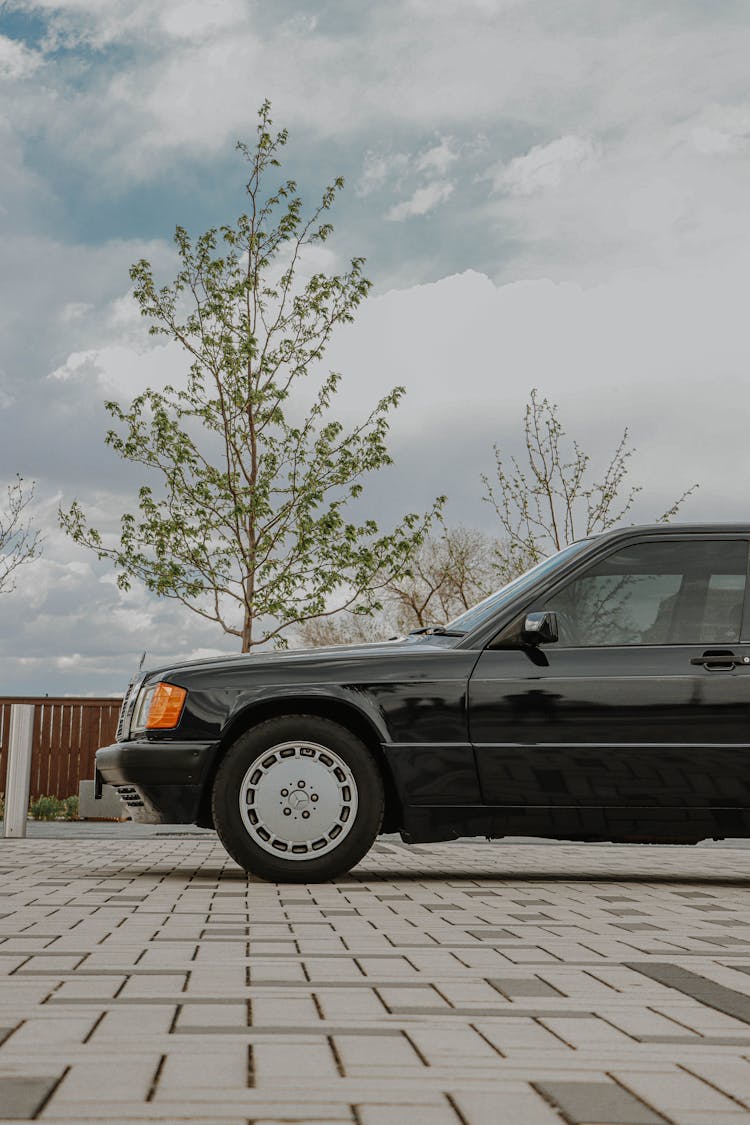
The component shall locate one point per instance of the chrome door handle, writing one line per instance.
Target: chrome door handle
(720, 659)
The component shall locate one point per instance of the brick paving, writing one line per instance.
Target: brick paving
(149, 980)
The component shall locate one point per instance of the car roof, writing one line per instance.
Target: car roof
(675, 529)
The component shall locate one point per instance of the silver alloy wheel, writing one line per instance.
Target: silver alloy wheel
(298, 800)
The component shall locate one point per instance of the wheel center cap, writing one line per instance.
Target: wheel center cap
(299, 799)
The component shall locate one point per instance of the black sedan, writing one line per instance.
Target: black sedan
(604, 695)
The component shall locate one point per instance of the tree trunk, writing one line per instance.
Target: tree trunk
(247, 632)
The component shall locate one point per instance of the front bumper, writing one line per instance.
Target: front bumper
(159, 782)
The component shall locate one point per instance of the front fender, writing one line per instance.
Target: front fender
(333, 700)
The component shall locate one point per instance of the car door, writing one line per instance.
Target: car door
(643, 701)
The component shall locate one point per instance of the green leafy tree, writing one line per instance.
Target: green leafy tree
(19, 541)
(552, 496)
(251, 527)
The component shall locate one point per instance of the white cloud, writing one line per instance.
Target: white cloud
(721, 130)
(422, 173)
(194, 19)
(97, 24)
(124, 370)
(483, 8)
(470, 66)
(16, 59)
(437, 159)
(74, 310)
(22, 191)
(650, 201)
(661, 352)
(75, 631)
(545, 167)
(56, 295)
(380, 169)
(421, 202)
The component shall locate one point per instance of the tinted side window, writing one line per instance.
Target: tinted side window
(656, 594)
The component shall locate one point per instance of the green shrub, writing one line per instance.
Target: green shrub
(70, 807)
(46, 808)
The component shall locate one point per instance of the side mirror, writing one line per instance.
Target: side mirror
(539, 628)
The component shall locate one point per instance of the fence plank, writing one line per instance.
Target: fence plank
(39, 750)
(4, 733)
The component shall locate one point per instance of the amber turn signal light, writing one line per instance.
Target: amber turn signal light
(166, 707)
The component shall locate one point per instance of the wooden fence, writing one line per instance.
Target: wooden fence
(67, 734)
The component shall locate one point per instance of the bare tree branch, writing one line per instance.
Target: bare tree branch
(19, 541)
(542, 503)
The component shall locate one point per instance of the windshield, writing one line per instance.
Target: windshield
(485, 609)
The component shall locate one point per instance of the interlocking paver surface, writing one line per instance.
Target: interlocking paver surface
(476, 983)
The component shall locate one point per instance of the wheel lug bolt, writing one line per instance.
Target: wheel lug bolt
(284, 792)
(314, 797)
(300, 785)
(287, 812)
(305, 815)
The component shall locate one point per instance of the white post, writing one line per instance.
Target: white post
(18, 774)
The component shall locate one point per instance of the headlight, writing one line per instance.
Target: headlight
(159, 707)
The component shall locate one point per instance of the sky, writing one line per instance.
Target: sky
(548, 194)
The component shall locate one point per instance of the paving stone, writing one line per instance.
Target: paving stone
(732, 1076)
(675, 1093)
(311, 1061)
(232, 1065)
(376, 1052)
(737, 1117)
(346, 1004)
(44, 1029)
(134, 1024)
(437, 1046)
(726, 1000)
(515, 986)
(393, 1115)
(525, 1107)
(22, 1097)
(129, 1078)
(284, 1009)
(587, 1103)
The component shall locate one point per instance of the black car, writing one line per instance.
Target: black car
(604, 695)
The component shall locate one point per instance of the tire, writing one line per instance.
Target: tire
(298, 799)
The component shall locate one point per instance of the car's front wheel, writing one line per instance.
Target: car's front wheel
(298, 799)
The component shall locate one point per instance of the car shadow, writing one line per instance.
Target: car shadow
(495, 875)
(364, 876)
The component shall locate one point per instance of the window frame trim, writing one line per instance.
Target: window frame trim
(638, 538)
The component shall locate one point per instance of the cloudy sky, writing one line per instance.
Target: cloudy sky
(548, 194)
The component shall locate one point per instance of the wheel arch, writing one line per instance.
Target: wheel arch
(340, 711)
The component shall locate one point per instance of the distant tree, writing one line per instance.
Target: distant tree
(551, 496)
(344, 628)
(250, 525)
(448, 574)
(19, 542)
